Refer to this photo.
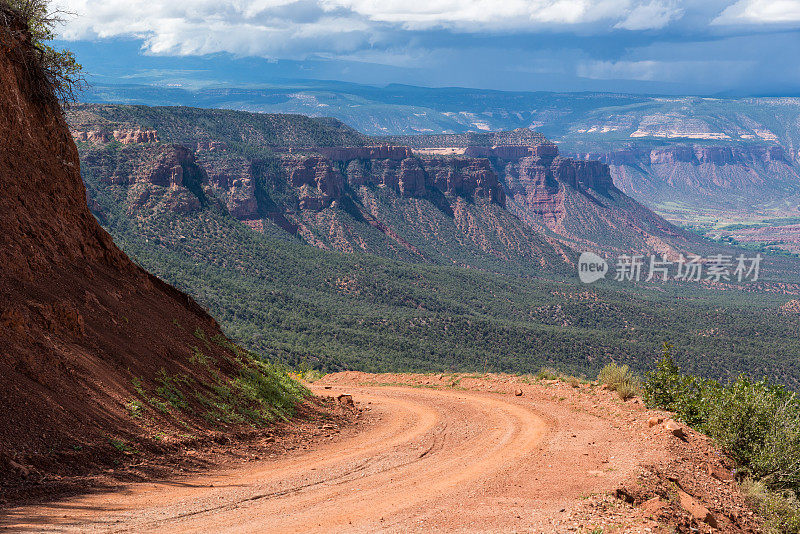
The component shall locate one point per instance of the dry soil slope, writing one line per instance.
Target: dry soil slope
(80, 325)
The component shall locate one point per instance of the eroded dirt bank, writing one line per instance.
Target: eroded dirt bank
(441, 453)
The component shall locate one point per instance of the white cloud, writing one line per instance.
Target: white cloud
(298, 28)
(652, 16)
(479, 14)
(665, 70)
(760, 11)
(251, 27)
(167, 20)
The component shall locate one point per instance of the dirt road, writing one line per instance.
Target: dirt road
(425, 460)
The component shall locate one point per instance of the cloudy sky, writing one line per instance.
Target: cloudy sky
(669, 46)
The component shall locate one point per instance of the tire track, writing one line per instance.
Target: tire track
(428, 447)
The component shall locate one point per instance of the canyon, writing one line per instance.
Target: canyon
(321, 246)
(505, 196)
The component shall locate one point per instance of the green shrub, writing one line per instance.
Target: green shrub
(620, 379)
(629, 389)
(781, 510)
(686, 395)
(758, 425)
(307, 372)
(198, 357)
(271, 386)
(135, 408)
(574, 381)
(548, 373)
(122, 446)
(169, 391)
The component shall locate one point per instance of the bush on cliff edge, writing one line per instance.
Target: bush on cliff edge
(60, 72)
(756, 423)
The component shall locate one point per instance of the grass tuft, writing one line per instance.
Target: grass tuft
(135, 408)
(619, 378)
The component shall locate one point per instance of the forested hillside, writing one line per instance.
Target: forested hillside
(355, 311)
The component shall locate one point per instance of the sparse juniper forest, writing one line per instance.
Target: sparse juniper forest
(339, 311)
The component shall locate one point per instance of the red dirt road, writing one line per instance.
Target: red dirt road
(425, 460)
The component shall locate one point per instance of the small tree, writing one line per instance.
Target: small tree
(60, 68)
(686, 395)
(664, 382)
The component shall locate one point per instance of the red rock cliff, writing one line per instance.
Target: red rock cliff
(321, 180)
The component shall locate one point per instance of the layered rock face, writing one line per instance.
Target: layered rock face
(592, 175)
(693, 154)
(318, 178)
(126, 137)
(466, 177)
(157, 174)
(532, 183)
(232, 181)
(471, 175)
(743, 178)
(167, 168)
(315, 177)
(537, 181)
(474, 189)
(321, 180)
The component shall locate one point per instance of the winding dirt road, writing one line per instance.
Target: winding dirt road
(426, 460)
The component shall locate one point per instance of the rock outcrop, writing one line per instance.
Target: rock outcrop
(314, 172)
(693, 154)
(126, 137)
(321, 181)
(232, 181)
(156, 173)
(537, 181)
(166, 168)
(466, 177)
